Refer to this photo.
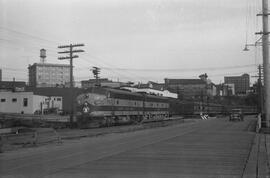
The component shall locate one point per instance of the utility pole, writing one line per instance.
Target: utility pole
(265, 50)
(96, 72)
(260, 92)
(71, 51)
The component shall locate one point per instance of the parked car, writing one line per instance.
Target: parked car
(237, 115)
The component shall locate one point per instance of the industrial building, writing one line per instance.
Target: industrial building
(241, 83)
(12, 85)
(27, 102)
(187, 88)
(226, 89)
(103, 82)
(49, 75)
(192, 89)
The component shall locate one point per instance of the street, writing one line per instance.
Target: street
(206, 148)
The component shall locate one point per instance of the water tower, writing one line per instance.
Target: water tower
(42, 55)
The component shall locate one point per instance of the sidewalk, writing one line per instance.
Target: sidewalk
(257, 165)
(267, 145)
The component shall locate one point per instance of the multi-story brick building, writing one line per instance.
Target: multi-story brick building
(187, 88)
(241, 83)
(49, 75)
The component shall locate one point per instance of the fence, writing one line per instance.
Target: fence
(259, 123)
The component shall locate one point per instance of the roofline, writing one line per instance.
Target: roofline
(49, 64)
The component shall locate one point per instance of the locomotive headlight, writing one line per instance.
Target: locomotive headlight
(86, 108)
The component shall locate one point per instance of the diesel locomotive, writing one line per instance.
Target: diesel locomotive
(106, 107)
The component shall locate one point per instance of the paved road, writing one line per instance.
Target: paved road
(208, 148)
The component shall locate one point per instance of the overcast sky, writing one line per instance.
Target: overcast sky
(173, 38)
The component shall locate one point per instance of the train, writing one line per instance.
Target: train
(99, 106)
(107, 106)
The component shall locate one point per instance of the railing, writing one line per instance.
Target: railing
(259, 123)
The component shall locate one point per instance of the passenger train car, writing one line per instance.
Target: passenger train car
(105, 106)
(190, 108)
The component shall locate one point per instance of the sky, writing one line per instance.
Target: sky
(133, 40)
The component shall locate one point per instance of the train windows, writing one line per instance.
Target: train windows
(3, 100)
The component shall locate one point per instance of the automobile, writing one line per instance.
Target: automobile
(236, 115)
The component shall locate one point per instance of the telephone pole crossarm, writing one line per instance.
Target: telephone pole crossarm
(62, 58)
(77, 51)
(63, 52)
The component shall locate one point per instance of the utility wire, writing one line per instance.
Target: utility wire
(127, 70)
(183, 69)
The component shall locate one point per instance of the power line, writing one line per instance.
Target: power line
(32, 36)
(178, 69)
(116, 70)
(26, 34)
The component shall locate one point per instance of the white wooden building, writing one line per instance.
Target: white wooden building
(27, 102)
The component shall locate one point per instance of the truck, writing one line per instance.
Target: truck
(236, 115)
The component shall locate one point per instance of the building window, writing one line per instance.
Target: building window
(117, 102)
(3, 100)
(58, 99)
(14, 100)
(25, 102)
